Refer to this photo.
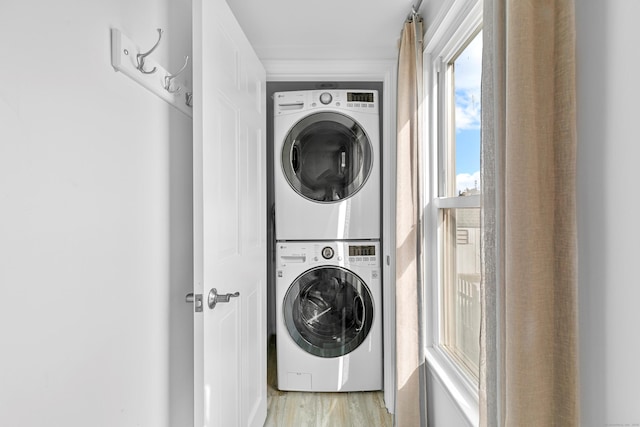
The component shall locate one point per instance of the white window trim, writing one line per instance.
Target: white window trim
(444, 39)
(472, 201)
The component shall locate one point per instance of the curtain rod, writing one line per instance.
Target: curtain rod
(414, 9)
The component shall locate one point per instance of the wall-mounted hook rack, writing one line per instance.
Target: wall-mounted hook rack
(126, 58)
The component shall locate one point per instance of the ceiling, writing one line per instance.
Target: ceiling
(322, 29)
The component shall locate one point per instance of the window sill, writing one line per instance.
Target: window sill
(462, 391)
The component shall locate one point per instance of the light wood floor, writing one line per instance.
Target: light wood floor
(298, 409)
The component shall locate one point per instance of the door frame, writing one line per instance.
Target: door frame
(384, 71)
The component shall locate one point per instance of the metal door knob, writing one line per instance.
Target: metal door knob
(215, 298)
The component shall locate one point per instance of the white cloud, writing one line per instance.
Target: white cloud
(468, 71)
(465, 181)
(469, 65)
(468, 110)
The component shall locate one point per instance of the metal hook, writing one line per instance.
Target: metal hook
(141, 56)
(169, 77)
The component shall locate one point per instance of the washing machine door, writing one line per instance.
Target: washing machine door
(327, 157)
(328, 311)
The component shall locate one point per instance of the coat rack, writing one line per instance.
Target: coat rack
(172, 87)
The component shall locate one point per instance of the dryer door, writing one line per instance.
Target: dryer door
(327, 157)
(328, 311)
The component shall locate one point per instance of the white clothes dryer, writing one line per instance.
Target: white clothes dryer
(327, 171)
(329, 318)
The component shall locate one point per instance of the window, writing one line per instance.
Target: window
(459, 205)
(452, 61)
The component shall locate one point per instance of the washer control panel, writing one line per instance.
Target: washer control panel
(309, 254)
(362, 254)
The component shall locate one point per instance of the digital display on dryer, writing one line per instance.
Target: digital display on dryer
(362, 250)
(359, 96)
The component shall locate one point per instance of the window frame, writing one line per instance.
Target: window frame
(446, 37)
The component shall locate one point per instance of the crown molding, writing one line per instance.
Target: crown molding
(328, 70)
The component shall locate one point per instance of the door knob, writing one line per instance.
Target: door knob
(215, 298)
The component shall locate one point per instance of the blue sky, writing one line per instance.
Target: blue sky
(468, 150)
(468, 67)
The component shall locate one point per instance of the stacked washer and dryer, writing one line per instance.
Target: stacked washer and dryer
(327, 229)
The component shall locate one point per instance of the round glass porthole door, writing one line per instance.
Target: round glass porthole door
(328, 311)
(326, 157)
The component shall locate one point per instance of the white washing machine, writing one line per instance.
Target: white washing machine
(329, 316)
(327, 165)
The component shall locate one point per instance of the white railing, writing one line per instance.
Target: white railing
(467, 306)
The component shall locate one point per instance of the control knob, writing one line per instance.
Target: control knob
(326, 98)
(327, 252)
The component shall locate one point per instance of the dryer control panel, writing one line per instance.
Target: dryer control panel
(347, 100)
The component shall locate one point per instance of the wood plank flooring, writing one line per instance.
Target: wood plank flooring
(298, 409)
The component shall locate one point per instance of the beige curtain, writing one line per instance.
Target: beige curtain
(408, 227)
(529, 367)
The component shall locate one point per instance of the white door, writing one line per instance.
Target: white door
(229, 221)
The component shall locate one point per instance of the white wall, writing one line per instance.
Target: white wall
(95, 220)
(442, 410)
(608, 210)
